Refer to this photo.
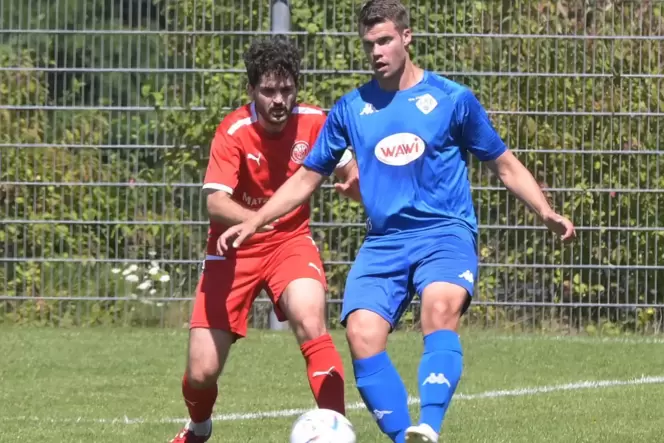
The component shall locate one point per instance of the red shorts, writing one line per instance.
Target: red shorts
(229, 285)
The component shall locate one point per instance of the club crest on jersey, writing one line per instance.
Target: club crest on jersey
(299, 151)
(425, 103)
(399, 149)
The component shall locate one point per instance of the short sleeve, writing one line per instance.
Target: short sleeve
(224, 164)
(475, 129)
(330, 144)
(345, 158)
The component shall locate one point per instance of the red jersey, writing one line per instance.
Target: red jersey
(250, 164)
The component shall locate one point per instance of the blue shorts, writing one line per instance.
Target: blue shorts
(389, 271)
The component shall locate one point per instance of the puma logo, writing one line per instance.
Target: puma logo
(254, 158)
(315, 267)
(319, 373)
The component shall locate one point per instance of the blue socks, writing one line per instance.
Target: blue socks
(438, 375)
(384, 394)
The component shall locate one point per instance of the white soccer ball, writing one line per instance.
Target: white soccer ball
(322, 426)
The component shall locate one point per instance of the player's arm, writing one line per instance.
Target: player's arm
(480, 138)
(320, 163)
(222, 209)
(297, 190)
(293, 193)
(349, 176)
(520, 182)
(221, 178)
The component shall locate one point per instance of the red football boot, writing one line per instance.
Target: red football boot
(186, 435)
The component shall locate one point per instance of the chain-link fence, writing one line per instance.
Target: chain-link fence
(107, 108)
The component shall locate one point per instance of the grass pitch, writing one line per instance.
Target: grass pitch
(120, 385)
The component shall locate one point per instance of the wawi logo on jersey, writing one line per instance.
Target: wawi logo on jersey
(299, 151)
(399, 149)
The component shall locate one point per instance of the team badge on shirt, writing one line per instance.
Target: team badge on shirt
(299, 151)
(425, 103)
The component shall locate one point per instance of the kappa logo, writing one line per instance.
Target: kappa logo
(437, 379)
(368, 109)
(299, 151)
(467, 275)
(378, 414)
(399, 149)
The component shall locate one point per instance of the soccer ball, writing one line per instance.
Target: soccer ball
(322, 426)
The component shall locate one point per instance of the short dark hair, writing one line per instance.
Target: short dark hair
(380, 11)
(275, 55)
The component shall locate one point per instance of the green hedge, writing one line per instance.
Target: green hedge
(591, 137)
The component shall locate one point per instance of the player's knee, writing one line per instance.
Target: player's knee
(201, 373)
(442, 306)
(303, 303)
(366, 333)
(208, 350)
(309, 327)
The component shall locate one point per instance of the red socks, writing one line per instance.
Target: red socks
(324, 369)
(326, 373)
(199, 401)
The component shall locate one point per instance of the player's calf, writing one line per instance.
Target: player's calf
(303, 303)
(208, 350)
(378, 381)
(442, 360)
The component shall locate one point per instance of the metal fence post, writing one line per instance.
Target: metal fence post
(280, 23)
(281, 16)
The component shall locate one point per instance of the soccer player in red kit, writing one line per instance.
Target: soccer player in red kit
(255, 149)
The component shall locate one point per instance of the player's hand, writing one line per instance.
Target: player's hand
(560, 225)
(222, 241)
(351, 187)
(267, 227)
(235, 236)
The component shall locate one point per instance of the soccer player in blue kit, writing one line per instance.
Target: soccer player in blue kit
(411, 131)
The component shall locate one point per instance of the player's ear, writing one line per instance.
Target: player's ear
(406, 36)
(250, 90)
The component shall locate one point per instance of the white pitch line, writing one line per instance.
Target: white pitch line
(598, 384)
(581, 339)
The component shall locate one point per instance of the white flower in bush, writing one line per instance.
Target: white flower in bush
(146, 284)
(130, 269)
(145, 278)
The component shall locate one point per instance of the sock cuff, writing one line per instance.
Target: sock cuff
(442, 340)
(368, 366)
(187, 388)
(316, 344)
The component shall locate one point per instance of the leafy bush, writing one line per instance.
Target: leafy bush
(582, 113)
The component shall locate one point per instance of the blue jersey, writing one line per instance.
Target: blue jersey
(412, 149)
